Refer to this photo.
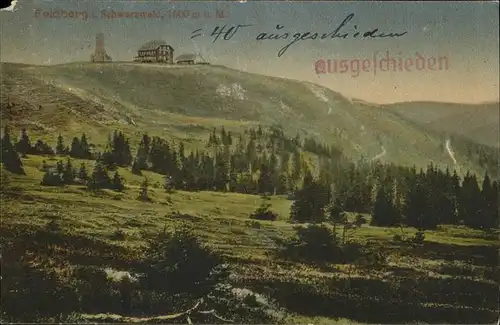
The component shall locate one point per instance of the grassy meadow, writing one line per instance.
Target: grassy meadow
(451, 277)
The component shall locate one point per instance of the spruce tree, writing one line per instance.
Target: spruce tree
(264, 211)
(251, 155)
(471, 201)
(221, 177)
(60, 167)
(418, 205)
(60, 148)
(223, 136)
(495, 205)
(52, 178)
(9, 156)
(296, 165)
(144, 191)
(99, 178)
(489, 209)
(117, 182)
(336, 214)
(85, 147)
(42, 148)
(23, 146)
(455, 194)
(75, 151)
(309, 202)
(141, 159)
(384, 211)
(82, 173)
(118, 151)
(265, 182)
(68, 175)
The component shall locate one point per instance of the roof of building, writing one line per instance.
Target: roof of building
(152, 45)
(186, 57)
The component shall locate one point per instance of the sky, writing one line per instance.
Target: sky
(465, 33)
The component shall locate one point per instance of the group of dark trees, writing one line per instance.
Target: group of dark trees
(426, 199)
(396, 196)
(256, 162)
(66, 174)
(11, 151)
(267, 162)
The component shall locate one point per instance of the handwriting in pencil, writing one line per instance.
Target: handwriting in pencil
(226, 33)
(338, 33)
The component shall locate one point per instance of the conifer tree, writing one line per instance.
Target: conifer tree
(141, 159)
(264, 211)
(251, 155)
(296, 165)
(9, 156)
(336, 214)
(309, 202)
(471, 201)
(85, 147)
(52, 178)
(99, 178)
(221, 177)
(68, 175)
(60, 167)
(82, 173)
(265, 184)
(60, 148)
(223, 136)
(169, 183)
(384, 212)
(23, 146)
(495, 205)
(117, 182)
(42, 148)
(118, 151)
(489, 209)
(144, 191)
(75, 151)
(455, 194)
(418, 205)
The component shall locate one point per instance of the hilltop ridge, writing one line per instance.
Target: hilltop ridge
(184, 102)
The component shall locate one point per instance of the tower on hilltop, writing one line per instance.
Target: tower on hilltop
(100, 54)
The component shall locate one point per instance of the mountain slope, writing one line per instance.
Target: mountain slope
(183, 102)
(480, 123)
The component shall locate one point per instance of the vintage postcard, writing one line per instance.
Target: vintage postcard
(249, 162)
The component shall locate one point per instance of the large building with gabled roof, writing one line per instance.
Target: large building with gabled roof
(156, 51)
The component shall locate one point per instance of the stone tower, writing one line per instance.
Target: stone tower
(100, 54)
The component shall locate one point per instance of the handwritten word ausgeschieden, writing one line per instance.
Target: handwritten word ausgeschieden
(387, 64)
(337, 33)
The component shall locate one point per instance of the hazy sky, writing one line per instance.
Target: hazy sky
(465, 33)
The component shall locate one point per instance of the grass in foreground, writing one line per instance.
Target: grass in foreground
(452, 274)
